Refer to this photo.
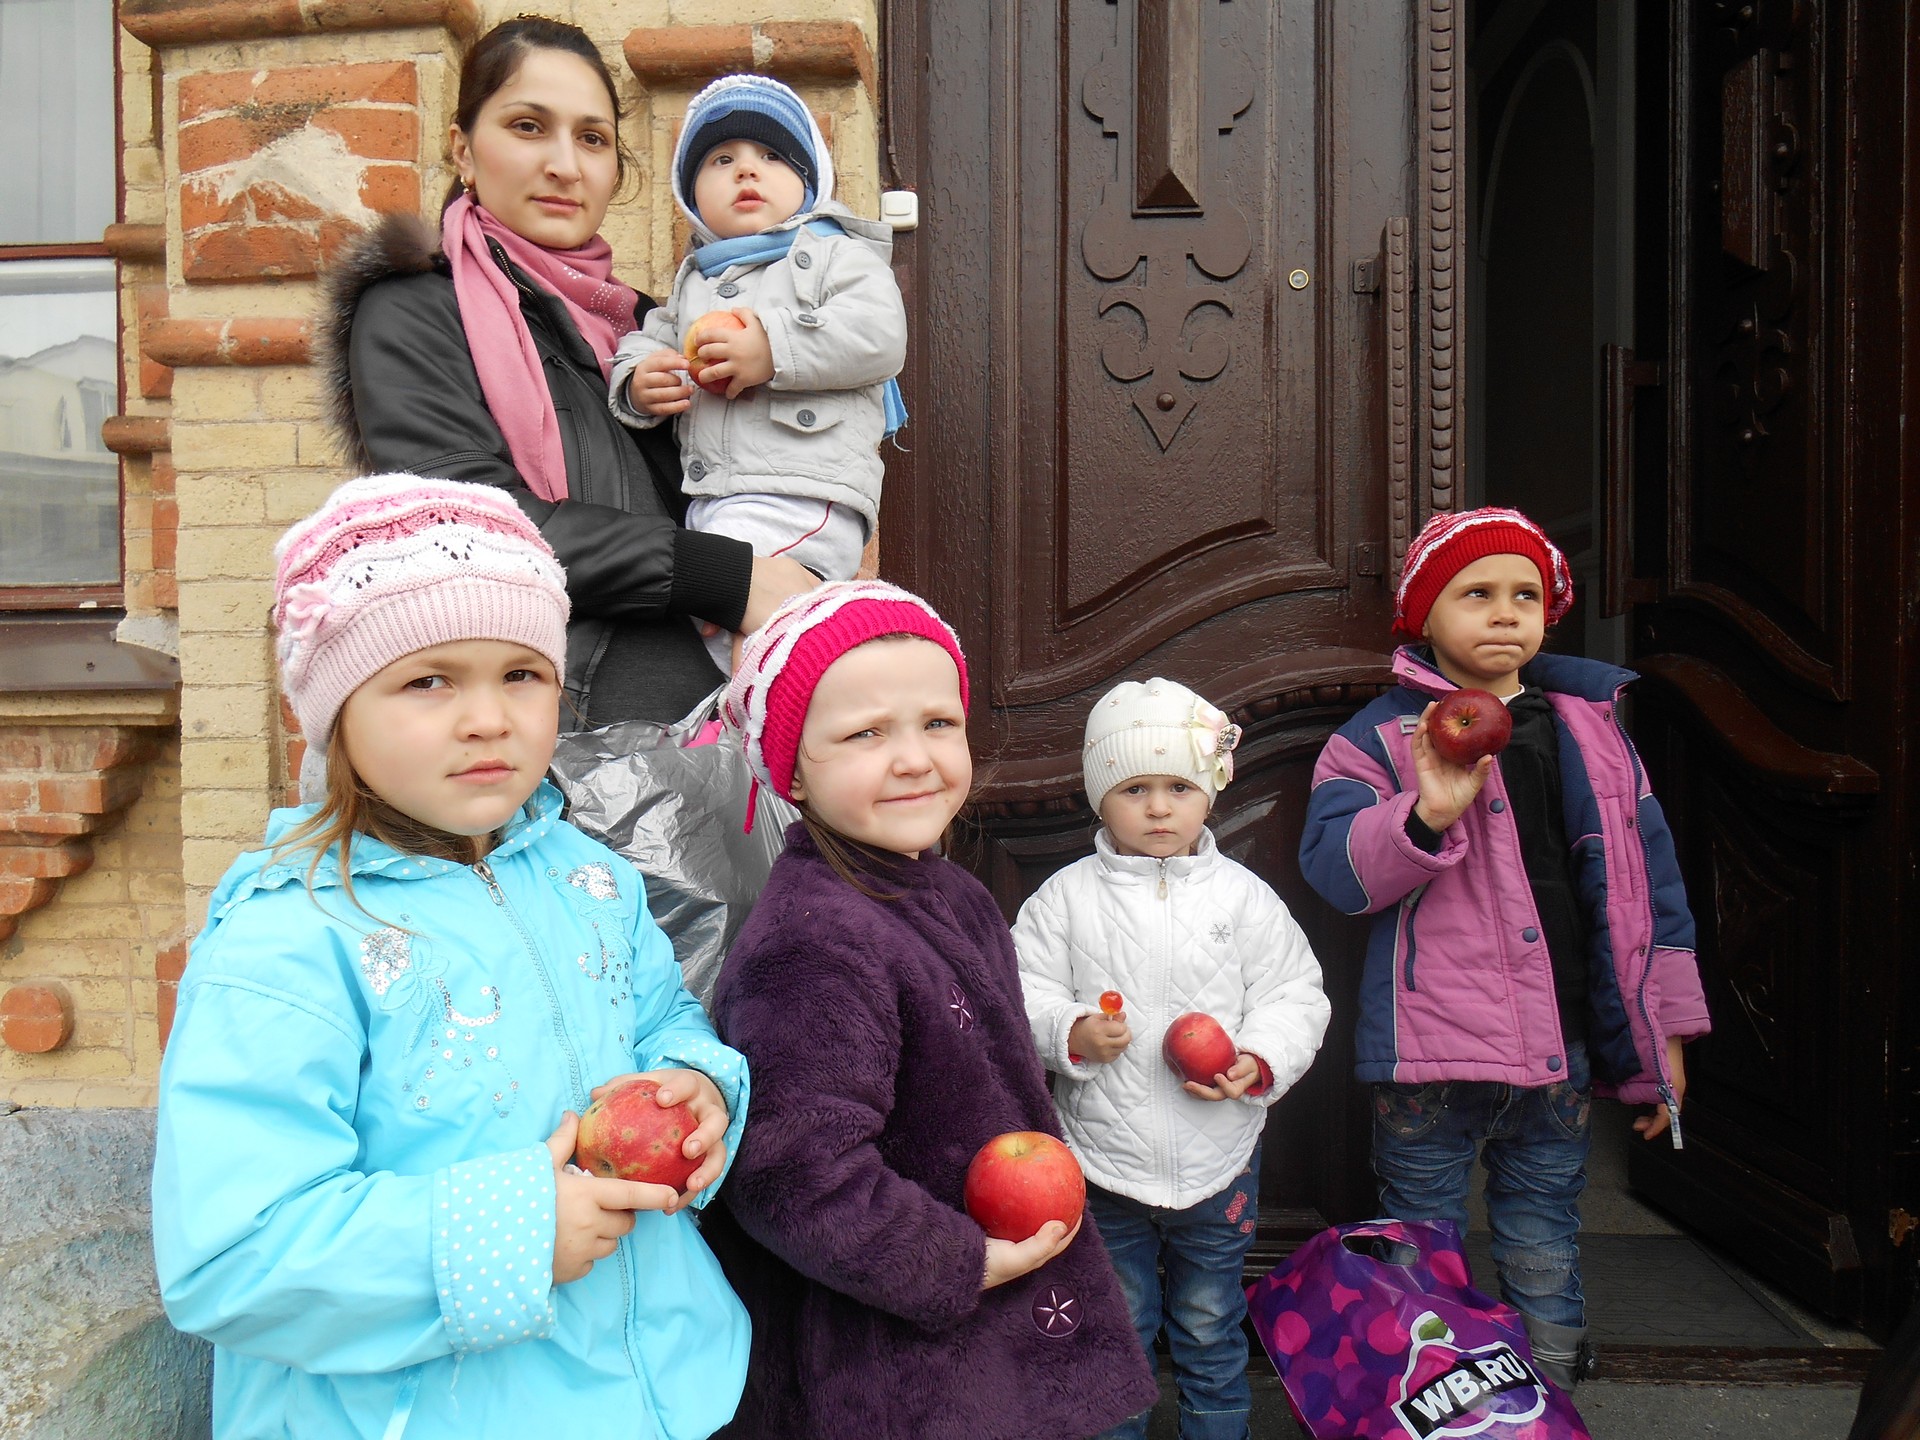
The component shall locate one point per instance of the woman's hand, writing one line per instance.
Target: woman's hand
(591, 1213)
(1446, 789)
(775, 578)
(1235, 1083)
(1100, 1037)
(1010, 1259)
(709, 1109)
(658, 385)
(743, 358)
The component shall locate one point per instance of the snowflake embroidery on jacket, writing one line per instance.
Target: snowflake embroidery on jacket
(614, 964)
(406, 974)
(596, 879)
(957, 1003)
(1222, 932)
(1056, 1312)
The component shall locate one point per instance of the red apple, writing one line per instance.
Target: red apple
(1467, 724)
(627, 1134)
(1198, 1048)
(706, 328)
(1021, 1180)
(1111, 1003)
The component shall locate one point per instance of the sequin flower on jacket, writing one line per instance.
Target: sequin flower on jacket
(406, 975)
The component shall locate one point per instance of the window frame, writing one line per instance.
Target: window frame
(64, 600)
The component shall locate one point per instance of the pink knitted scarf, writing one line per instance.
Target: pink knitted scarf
(511, 376)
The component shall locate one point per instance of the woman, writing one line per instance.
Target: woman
(518, 280)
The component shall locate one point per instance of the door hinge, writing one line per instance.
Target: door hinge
(1900, 1225)
(1367, 559)
(1366, 276)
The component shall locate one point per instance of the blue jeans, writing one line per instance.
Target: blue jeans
(1533, 1142)
(1202, 1249)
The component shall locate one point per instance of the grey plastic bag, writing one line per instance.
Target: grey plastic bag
(679, 814)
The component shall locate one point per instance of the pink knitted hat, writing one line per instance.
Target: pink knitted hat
(392, 564)
(782, 662)
(1453, 540)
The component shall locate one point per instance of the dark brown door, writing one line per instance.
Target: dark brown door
(1766, 554)
(1184, 334)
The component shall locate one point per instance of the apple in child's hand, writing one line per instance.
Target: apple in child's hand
(1198, 1048)
(1467, 724)
(706, 328)
(1021, 1180)
(1111, 1003)
(627, 1134)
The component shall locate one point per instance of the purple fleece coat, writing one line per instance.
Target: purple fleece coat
(888, 1041)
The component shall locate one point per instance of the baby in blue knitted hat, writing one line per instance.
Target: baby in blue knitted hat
(787, 314)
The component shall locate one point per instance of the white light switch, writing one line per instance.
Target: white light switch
(900, 209)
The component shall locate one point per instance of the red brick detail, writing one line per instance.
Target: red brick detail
(246, 214)
(136, 244)
(796, 50)
(196, 22)
(231, 342)
(136, 434)
(251, 252)
(36, 1018)
(169, 964)
(166, 533)
(163, 474)
(150, 305)
(58, 785)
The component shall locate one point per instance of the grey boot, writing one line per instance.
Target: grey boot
(1560, 1352)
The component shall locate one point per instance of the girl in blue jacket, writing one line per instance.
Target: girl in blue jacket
(362, 1191)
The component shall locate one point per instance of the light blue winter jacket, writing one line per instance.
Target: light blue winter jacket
(352, 1195)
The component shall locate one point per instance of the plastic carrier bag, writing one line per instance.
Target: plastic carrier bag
(678, 811)
(1377, 1332)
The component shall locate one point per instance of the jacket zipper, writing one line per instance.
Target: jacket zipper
(498, 896)
(1166, 983)
(627, 1278)
(1663, 1082)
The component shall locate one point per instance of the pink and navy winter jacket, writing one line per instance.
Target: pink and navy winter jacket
(1458, 984)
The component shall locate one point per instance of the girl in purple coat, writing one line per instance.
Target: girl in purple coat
(877, 998)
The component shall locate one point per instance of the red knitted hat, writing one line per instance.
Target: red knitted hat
(1453, 540)
(783, 660)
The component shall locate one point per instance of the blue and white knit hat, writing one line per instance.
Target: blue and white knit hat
(751, 107)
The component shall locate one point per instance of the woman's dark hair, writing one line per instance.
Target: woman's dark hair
(496, 57)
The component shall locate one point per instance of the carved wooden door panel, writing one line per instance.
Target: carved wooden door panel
(1182, 337)
(1771, 541)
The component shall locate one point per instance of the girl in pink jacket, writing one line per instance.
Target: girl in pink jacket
(1531, 936)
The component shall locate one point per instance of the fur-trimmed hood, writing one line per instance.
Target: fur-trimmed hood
(396, 245)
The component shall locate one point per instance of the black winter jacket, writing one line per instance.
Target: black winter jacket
(405, 397)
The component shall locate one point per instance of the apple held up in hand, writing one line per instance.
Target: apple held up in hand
(1467, 724)
(1198, 1048)
(627, 1134)
(1021, 1180)
(708, 327)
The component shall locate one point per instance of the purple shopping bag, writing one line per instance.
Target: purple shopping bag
(1378, 1335)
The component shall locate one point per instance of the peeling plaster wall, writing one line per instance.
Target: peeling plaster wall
(85, 1352)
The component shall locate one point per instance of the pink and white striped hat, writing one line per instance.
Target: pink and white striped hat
(391, 564)
(781, 663)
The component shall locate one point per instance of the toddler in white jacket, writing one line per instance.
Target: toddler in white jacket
(1161, 925)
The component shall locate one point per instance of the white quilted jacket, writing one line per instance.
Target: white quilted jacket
(1198, 932)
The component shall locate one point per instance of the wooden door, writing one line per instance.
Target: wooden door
(1183, 335)
(1765, 546)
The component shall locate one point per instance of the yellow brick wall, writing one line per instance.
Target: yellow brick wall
(99, 939)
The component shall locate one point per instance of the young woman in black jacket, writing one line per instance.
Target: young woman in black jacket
(518, 276)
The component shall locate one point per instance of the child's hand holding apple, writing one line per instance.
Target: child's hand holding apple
(658, 384)
(591, 1213)
(707, 1109)
(729, 359)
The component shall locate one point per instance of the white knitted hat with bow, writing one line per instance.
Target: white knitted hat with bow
(1156, 727)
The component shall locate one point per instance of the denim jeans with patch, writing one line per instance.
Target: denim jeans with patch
(1533, 1142)
(1202, 1250)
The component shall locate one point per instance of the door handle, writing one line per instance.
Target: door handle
(1621, 376)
